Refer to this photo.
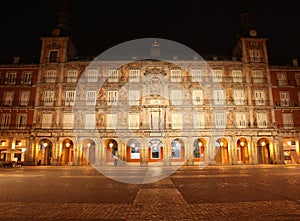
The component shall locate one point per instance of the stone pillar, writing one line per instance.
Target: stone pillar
(254, 149)
(144, 153)
(297, 140)
(167, 153)
(250, 152)
(232, 147)
(280, 148)
(97, 154)
(212, 152)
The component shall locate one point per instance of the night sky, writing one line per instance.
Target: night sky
(208, 27)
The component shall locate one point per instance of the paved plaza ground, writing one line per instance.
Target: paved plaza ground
(252, 192)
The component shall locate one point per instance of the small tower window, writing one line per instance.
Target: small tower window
(53, 56)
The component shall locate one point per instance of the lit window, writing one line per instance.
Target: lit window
(219, 97)
(284, 98)
(5, 121)
(53, 56)
(134, 75)
(48, 98)
(217, 75)
(262, 120)
(241, 120)
(113, 75)
(133, 121)
(91, 97)
(70, 98)
(297, 78)
(46, 120)
(72, 75)
(175, 75)
(260, 97)
(287, 120)
(220, 120)
(196, 75)
(11, 77)
(90, 121)
(24, 98)
(176, 121)
(199, 120)
(8, 98)
(198, 97)
(112, 97)
(92, 75)
(51, 76)
(257, 77)
(68, 121)
(237, 76)
(26, 78)
(255, 56)
(239, 97)
(282, 79)
(111, 121)
(21, 121)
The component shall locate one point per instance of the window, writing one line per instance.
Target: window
(51, 76)
(11, 78)
(196, 75)
(219, 98)
(112, 97)
(24, 98)
(26, 78)
(21, 121)
(237, 76)
(68, 121)
(284, 98)
(297, 78)
(134, 75)
(90, 97)
(199, 120)
(134, 97)
(46, 120)
(241, 120)
(217, 75)
(48, 98)
(5, 121)
(155, 146)
(262, 120)
(176, 121)
(111, 121)
(72, 75)
(175, 75)
(239, 97)
(133, 121)
(287, 120)
(53, 56)
(176, 149)
(198, 97)
(8, 98)
(258, 77)
(90, 121)
(113, 75)
(298, 97)
(70, 98)
(260, 97)
(176, 97)
(255, 56)
(220, 120)
(282, 79)
(92, 76)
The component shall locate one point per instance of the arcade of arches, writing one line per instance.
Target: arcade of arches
(171, 151)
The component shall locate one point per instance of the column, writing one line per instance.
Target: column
(144, 153)
(297, 139)
(250, 152)
(254, 149)
(167, 153)
(97, 154)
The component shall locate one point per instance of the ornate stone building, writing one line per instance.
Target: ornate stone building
(157, 111)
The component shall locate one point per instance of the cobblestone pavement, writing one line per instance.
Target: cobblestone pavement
(267, 192)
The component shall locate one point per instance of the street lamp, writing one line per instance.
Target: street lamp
(111, 144)
(200, 144)
(242, 143)
(3, 143)
(67, 144)
(289, 142)
(45, 145)
(263, 143)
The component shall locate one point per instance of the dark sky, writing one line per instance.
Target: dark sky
(208, 27)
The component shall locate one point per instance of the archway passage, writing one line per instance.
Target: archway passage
(199, 147)
(263, 151)
(242, 151)
(88, 152)
(133, 150)
(221, 151)
(177, 150)
(67, 153)
(111, 147)
(155, 150)
(45, 152)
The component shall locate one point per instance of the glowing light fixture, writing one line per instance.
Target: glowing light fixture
(289, 142)
(3, 142)
(67, 144)
(242, 143)
(263, 143)
(111, 144)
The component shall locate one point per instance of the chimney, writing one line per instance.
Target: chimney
(16, 60)
(295, 62)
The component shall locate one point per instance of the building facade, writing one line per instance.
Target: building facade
(68, 111)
